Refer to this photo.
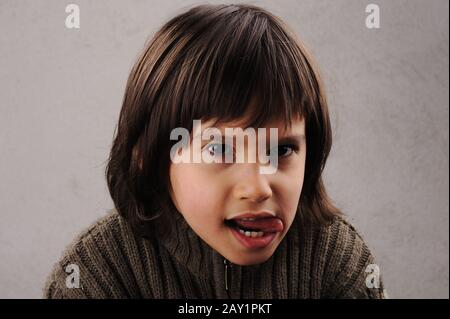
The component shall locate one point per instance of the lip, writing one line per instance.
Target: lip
(253, 242)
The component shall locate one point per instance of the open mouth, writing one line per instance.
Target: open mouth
(246, 231)
(256, 227)
(255, 233)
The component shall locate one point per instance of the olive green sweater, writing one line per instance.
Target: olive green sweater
(327, 262)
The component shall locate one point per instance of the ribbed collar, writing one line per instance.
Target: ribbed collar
(202, 260)
(191, 250)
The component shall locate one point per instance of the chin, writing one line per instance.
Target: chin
(250, 259)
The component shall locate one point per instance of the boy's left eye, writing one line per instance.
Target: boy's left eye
(286, 150)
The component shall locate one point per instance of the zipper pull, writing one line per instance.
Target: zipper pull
(227, 276)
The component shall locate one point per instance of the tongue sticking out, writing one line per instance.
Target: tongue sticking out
(269, 225)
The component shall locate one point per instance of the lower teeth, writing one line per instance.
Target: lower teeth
(247, 233)
(252, 234)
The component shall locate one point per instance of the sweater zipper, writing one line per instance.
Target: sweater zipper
(227, 274)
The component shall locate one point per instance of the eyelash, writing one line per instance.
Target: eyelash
(209, 145)
(295, 148)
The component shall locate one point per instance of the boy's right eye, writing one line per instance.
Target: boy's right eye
(219, 149)
(218, 153)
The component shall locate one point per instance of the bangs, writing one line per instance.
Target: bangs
(240, 64)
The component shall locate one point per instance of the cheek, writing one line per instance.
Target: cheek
(196, 194)
(290, 187)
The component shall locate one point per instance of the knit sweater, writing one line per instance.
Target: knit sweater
(324, 262)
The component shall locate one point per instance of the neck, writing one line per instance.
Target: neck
(190, 250)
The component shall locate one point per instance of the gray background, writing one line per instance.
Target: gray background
(61, 93)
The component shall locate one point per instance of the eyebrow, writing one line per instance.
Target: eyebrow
(294, 139)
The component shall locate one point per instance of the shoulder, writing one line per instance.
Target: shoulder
(343, 233)
(99, 263)
(350, 269)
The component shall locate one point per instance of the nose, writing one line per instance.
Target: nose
(252, 185)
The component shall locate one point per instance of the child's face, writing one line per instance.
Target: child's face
(207, 194)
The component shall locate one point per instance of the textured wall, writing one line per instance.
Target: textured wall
(61, 92)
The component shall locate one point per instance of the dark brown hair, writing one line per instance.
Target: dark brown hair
(209, 63)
